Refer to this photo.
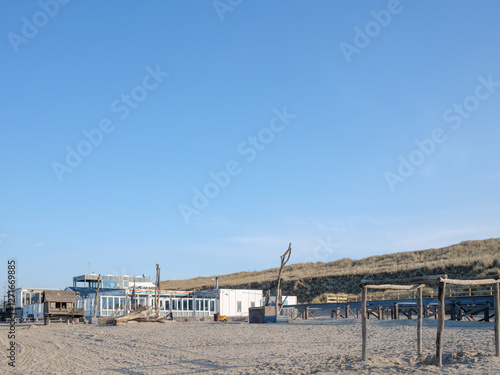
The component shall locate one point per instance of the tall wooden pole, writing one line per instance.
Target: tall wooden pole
(284, 259)
(97, 295)
(157, 289)
(497, 319)
(363, 321)
(440, 328)
(420, 320)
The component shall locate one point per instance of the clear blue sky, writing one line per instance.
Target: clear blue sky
(311, 109)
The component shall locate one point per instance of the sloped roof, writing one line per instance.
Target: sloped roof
(58, 296)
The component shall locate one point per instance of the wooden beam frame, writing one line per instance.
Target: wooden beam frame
(440, 328)
(497, 319)
(364, 293)
(393, 287)
(420, 320)
(413, 280)
(416, 282)
(470, 282)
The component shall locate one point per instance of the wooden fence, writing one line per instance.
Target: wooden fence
(452, 291)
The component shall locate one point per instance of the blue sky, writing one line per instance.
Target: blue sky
(117, 115)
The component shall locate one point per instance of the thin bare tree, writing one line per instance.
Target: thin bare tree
(284, 259)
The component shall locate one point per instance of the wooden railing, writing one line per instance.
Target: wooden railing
(398, 295)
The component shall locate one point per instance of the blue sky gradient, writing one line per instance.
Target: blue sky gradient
(341, 176)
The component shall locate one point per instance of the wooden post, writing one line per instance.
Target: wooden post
(497, 319)
(97, 294)
(157, 289)
(347, 311)
(363, 322)
(420, 320)
(396, 311)
(440, 328)
(454, 311)
(380, 316)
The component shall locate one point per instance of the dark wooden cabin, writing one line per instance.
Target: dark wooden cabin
(60, 304)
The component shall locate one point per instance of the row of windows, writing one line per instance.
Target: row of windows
(112, 303)
(138, 279)
(181, 304)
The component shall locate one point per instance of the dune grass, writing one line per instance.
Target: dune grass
(311, 280)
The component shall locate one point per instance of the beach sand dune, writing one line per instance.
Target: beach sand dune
(321, 346)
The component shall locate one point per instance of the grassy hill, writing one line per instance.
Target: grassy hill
(309, 281)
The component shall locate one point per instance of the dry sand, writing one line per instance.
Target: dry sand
(321, 346)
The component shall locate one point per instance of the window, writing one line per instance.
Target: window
(212, 305)
(184, 304)
(190, 304)
(252, 304)
(167, 305)
(238, 306)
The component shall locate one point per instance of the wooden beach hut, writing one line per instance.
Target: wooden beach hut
(60, 304)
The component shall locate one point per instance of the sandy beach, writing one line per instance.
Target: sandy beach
(320, 346)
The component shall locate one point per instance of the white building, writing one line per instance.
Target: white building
(229, 302)
(235, 302)
(118, 294)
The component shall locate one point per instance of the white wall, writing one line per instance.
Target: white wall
(34, 310)
(290, 300)
(230, 299)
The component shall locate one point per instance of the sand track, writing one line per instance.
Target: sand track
(304, 347)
